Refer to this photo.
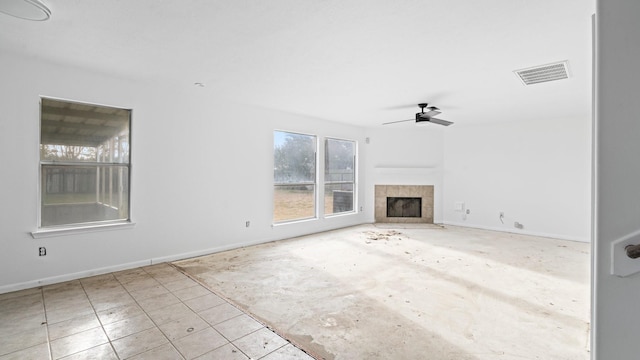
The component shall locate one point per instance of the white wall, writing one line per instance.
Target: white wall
(616, 317)
(537, 173)
(201, 168)
(404, 154)
(199, 160)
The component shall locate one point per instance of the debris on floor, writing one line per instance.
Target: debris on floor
(381, 235)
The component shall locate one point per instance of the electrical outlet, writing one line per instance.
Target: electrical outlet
(360, 208)
(42, 251)
(517, 225)
(247, 224)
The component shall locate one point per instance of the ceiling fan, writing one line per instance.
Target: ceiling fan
(423, 116)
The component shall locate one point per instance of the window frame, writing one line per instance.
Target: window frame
(125, 164)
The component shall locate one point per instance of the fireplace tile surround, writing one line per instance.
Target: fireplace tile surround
(422, 191)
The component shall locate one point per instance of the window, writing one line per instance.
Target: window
(294, 176)
(339, 176)
(84, 163)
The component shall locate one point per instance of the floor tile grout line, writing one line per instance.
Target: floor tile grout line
(41, 324)
(95, 312)
(147, 315)
(243, 312)
(141, 308)
(265, 355)
(46, 323)
(194, 312)
(208, 323)
(200, 317)
(181, 301)
(232, 303)
(154, 322)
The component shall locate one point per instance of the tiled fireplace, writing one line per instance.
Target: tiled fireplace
(390, 200)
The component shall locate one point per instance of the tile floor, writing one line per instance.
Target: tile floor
(154, 312)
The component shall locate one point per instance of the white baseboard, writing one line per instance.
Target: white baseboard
(72, 276)
(187, 255)
(515, 231)
(209, 251)
(120, 267)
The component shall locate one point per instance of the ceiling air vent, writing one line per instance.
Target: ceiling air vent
(544, 73)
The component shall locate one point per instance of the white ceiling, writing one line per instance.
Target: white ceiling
(362, 62)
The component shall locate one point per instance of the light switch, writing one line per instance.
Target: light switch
(621, 264)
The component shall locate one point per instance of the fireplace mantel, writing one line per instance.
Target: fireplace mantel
(407, 175)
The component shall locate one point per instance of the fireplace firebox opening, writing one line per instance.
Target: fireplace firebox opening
(404, 207)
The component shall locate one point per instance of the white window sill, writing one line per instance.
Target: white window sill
(344, 213)
(297, 221)
(62, 231)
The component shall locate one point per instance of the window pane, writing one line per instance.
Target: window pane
(338, 198)
(293, 202)
(83, 132)
(85, 157)
(294, 176)
(339, 158)
(339, 176)
(81, 194)
(294, 157)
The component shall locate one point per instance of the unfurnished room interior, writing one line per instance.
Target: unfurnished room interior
(319, 179)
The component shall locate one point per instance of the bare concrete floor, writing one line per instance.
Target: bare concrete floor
(413, 292)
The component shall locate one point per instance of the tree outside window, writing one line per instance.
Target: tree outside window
(294, 176)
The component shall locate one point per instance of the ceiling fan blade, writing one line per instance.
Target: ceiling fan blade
(440, 121)
(398, 107)
(393, 122)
